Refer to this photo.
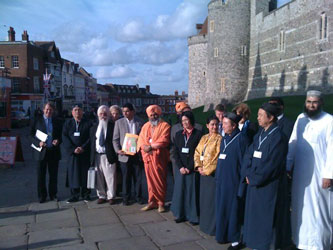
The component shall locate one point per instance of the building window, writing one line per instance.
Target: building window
(2, 62)
(204, 73)
(282, 41)
(36, 66)
(52, 54)
(3, 109)
(36, 84)
(15, 62)
(216, 52)
(211, 26)
(323, 26)
(16, 85)
(65, 90)
(222, 85)
(244, 50)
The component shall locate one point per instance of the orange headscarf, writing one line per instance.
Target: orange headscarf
(154, 109)
(180, 106)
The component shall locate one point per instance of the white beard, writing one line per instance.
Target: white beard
(101, 124)
(154, 123)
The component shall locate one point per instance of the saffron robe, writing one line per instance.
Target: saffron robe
(156, 160)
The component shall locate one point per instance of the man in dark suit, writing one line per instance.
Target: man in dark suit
(49, 156)
(131, 166)
(103, 156)
(283, 122)
(76, 150)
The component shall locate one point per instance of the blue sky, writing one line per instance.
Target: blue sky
(119, 41)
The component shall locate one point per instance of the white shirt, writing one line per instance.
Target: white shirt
(131, 126)
(99, 149)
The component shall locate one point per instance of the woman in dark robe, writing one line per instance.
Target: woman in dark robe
(185, 199)
(205, 160)
(266, 222)
(229, 208)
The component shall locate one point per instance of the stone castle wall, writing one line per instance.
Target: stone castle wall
(269, 67)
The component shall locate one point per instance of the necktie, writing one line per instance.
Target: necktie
(101, 138)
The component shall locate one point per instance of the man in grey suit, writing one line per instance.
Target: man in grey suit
(131, 166)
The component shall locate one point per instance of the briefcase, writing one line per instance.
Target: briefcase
(91, 178)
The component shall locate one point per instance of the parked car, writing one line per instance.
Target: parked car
(19, 119)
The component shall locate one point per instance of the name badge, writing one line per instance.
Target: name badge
(150, 140)
(185, 150)
(257, 154)
(201, 157)
(76, 133)
(222, 156)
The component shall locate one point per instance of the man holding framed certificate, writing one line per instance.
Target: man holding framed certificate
(125, 135)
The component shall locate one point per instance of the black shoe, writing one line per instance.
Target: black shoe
(87, 198)
(42, 200)
(73, 199)
(126, 203)
(237, 247)
(180, 220)
(54, 198)
(139, 201)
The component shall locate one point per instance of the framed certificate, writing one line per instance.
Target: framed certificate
(130, 143)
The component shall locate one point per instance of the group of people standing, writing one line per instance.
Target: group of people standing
(235, 181)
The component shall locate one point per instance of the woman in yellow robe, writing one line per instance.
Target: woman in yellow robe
(205, 161)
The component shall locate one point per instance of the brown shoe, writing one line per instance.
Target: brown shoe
(112, 201)
(161, 209)
(101, 201)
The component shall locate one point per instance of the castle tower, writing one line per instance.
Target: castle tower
(227, 50)
(197, 58)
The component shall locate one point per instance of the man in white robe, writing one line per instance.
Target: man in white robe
(310, 157)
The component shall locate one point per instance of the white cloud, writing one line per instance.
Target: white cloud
(116, 72)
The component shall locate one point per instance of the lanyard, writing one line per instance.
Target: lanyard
(226, 145)
(205, 145)
(261, 141)
(77, 124)
(186, 140)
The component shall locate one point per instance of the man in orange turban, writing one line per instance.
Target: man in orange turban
(153, 142)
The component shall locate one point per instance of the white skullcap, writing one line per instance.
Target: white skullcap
(313, 93)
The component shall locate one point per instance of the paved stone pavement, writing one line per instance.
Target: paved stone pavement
(27, 224)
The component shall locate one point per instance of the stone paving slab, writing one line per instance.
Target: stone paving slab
(183, 246)
(43, 206)
(142, 217)
(64, 204)
(212, 244)
(55, 214)
(143, 243)
(135, 230)
(92, 217)
(85, 246)
(125, 210)
(11, 218)
(53, 224)
(172, 233)
(18, 242)
(12, 230)
(104, 232)
(55, 237)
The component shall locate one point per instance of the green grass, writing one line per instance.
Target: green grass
(293, 107)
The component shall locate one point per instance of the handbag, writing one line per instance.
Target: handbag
(91, 178)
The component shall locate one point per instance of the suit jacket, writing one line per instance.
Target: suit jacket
(286, 126)
(109, 150)
(39, 123)
(120, 129)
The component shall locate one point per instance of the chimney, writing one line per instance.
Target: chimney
(148, 88)
(25, 36)
(176, 93)
(183, 93)
(11, 34)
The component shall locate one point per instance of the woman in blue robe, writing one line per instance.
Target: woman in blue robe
(185, 198)
(266, 221)
(228, 205)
